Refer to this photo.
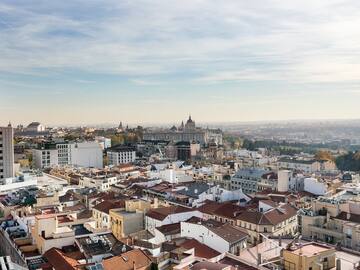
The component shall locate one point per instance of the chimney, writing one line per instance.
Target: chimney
(134, 266)
(280, 241)
(338, 264)
(259, 259)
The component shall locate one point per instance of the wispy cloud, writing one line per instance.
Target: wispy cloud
(236, 40)
(189, 46)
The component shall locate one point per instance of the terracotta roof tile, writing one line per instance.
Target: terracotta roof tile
(162, 212)
(106, 206)
(127, 261)
(201, 250)
(59, 260)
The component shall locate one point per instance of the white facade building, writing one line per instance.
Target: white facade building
(284, 177)
(82, 154)
(121, 155)
(222, 238)
(315, 187)
(168, 215)
(307, 166)
(13, 183)
(45, 158)
(87, 154)
(6, 152)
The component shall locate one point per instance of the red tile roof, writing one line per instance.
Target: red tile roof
(170, 229)
(106, 206)
(271, 217)
(162, 212)
(201, 250)
(134, 259)
(59, 260)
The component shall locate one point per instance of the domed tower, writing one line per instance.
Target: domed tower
(190, 124)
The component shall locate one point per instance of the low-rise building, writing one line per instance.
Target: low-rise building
(270, 219)
(101, 213)
(124, 222)
(167, 215)
(134, 259)
(48, 234)
(307, 166)
(120, 154)
(309, 256)
(97, 247)
(24, 180)
(81, 154)
(247, 180)
(218, 236)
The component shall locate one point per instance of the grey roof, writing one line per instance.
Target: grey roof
(193, 190)
(250, 173)
(299, 161)
(121, 148)
(34, 124)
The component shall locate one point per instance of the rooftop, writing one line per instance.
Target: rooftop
(102, 244)
(162, 212)
(128, 261)
(309, 250)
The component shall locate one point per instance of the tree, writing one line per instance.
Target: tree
(324, 155)
(349, 162)
(117, 139)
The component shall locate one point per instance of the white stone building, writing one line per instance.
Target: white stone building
(218, 236)
(121, 155)
(82, 154)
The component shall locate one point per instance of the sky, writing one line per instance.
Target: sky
(157, 61)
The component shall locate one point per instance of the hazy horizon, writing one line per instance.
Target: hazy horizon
(87, 62)
(198, 123)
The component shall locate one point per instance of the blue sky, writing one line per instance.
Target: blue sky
(86, 62)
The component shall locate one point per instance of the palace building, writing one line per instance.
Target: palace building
(185, 132)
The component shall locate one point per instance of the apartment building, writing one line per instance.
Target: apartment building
(82, 154)
(270, 219)
(125, 222)
(334, 220)
(312, 256)
(220, 237)
(6, 152)
(247, 179)
(120, 154)
(307, 166)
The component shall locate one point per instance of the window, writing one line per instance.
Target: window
(289, 265)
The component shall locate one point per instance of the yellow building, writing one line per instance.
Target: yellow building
(129, 220)
(124, 223)
(137, 205)
(312, 256)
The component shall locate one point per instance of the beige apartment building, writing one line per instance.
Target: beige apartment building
(331, 220)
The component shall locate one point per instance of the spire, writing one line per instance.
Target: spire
(9, 125)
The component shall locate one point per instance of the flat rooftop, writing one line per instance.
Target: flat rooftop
(310, 250)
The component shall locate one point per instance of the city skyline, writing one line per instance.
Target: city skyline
(157, 61)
